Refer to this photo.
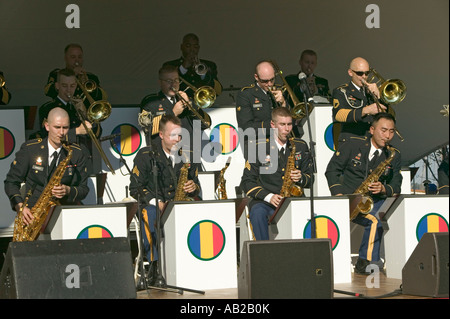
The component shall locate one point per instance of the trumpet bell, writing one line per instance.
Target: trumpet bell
(393, 91)
(99, 111)
(204, 97)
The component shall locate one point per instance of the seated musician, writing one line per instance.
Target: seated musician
(349, 168)
(32, 165)
(264, 178)
(166, 156)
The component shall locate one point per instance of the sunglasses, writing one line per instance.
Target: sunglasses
(266, 81)
(361, 73)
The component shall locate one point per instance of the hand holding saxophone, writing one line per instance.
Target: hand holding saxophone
(59, 191)
(296, 175)
(27, 216)
(376, 188)
(189, 186)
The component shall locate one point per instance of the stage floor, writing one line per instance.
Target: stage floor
(389, 289)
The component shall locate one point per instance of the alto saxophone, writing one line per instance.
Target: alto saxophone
(221, 189)
(180, 194)
(289, 188)
(365, 203)
(42, 207)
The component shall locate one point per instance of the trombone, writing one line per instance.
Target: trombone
(392, 91)
(87, 83)
(2, 81)
(187, 104)
(204, 96)
(298, 111)
(97, 112)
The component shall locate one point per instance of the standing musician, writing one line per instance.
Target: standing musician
(66, 87)
(197, 72)
(349, 168)
(164, 153)
(353, 107)
(32, 165)
(170, 100)
(5, 95)
(73, 57)
(254, 103)
(262, 180)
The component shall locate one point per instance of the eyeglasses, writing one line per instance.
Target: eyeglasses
(266, 81)
(361, 73)
(168, 81)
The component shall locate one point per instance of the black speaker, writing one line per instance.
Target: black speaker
(80, 268)
(286, 269)
(426, 271)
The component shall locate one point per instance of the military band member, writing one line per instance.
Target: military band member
(65, 87)
(195, 71)
(5, 95)
(262, 180)
(32, 165)
(164, 153)
(353, 107)
(74, 60)
(349, 168)
(254, 104)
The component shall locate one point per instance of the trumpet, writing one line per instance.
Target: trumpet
(199, 67)
(187, 104)
(298, 111)
(2, 81)
(204, 96)
(97, 112)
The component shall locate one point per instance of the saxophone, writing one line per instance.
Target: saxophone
(221, 190)
(365, 202)
(42, 207)
(289, 188)
(180, 194)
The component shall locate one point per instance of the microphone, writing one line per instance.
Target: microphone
(305, 87)
(109, 137)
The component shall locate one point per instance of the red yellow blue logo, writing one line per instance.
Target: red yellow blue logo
(206, 240)
(226, 135)
(431, 223)
(95, 231)
(325, 228)
(7, 142)
(129, 140)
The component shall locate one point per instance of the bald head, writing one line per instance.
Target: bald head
(57, 112)
(359, 63)
(361, 66)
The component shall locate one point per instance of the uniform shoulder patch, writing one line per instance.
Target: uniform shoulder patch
(248, 87)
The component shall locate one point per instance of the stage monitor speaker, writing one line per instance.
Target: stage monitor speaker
(65, 269)
(286, 269)
(426, 271)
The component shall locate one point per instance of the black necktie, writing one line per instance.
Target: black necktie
(374, 158)
(53, 163)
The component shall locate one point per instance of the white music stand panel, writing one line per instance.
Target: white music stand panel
(332, 221)
(404, 223)
(183, 265)
(68, 222)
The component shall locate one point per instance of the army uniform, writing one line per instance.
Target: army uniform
(5, 95)
(347, 170)
(320, 88)
(209, 79)
(167, 180)
(266, 176)
(32, 167)
(97, 95)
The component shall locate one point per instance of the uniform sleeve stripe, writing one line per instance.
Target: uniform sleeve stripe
(341, 115)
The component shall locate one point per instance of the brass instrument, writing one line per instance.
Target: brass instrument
(289, 188)
(87, 83)
(97, 112)
(392, 91)
(377, 101)
(2, 81)
(221, 189)
(365, 202)
(42, 207)
(204, 96)
(298, 111)
(180, 194)
(199, 67)
(187, 104)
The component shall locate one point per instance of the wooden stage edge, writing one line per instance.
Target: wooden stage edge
(389, 288)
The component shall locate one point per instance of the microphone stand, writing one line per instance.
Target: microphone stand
(313, 160)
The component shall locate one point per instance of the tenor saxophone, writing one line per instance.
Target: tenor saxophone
(40, 210)
(365, 202)
(221, 189)
(289, 188)
(180, 194)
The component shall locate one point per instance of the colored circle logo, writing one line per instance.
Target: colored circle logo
(325, 228)
(128, 141)
(95, 231)
(206, 240)
(226, 135)
(7, 142)
(328, 136)
(431, 223)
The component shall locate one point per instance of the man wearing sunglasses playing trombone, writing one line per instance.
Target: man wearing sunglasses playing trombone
(353, 105)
